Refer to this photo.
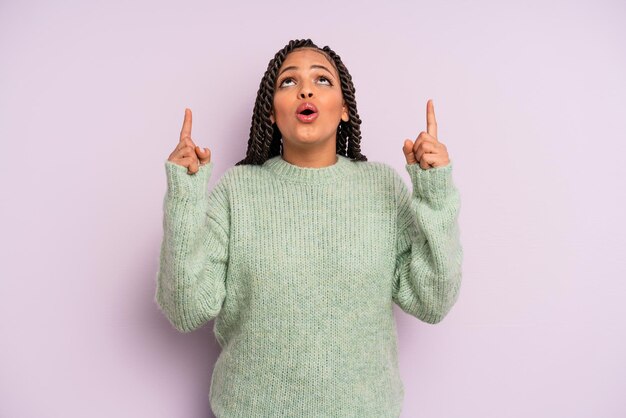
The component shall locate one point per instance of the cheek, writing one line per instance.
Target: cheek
(280, 109)
(336, 102)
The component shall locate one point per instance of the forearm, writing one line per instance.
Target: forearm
(190, 282)
(430, 252)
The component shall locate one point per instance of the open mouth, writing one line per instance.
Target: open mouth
(307, 112)
(307, 116)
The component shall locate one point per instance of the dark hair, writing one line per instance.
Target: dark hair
(265, 138)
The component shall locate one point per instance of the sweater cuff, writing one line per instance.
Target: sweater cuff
(433, 184)
(181, 184)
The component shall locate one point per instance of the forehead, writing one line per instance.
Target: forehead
(304, 58)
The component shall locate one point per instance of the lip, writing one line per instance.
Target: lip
(306, 105)
(307, 118)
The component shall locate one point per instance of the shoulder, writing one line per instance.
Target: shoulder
(377, 167)
(238, 173)
(235, 177)
(233, 172)
(385, 177)
(381, 170)
(242, 174)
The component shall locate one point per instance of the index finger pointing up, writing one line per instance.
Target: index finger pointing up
(431, 123)
(186, 131)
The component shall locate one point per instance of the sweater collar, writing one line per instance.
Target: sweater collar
(297, 174)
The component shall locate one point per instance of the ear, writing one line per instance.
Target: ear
(272, 117)
(344, 114)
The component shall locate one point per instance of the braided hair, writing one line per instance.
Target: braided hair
(266, 140)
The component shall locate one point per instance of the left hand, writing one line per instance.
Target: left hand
(427, 150)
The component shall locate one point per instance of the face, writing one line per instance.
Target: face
(306, 76)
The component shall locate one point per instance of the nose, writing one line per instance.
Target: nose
(306, 90)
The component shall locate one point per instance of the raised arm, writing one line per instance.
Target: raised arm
(194, 252)
(428, 249)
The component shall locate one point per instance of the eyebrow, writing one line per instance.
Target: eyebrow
(293, 67)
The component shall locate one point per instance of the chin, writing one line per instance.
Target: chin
(303, 142)
(312, 136)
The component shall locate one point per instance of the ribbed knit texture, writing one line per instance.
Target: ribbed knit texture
(300, 268)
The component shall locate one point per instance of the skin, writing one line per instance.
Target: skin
(313, 144)
(427, 150)
(308, 144)
(186, 153)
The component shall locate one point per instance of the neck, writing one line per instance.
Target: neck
(331, 173)
(312, 157)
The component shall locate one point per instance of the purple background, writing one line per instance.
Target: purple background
(529, 99)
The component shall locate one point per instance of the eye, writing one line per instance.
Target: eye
(327, 80)
(283, 82)
(329, 83)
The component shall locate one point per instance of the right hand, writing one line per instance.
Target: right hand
(186, 153)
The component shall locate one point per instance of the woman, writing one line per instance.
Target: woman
(301, 248)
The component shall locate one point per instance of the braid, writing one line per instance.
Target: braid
(347, 131)
(265, 138)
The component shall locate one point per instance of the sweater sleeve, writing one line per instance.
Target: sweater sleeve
(194, 251)
(428, 249)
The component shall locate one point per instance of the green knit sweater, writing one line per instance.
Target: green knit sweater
(300, 268)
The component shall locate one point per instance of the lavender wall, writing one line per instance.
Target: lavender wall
(530, 101)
